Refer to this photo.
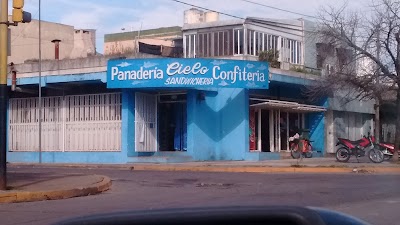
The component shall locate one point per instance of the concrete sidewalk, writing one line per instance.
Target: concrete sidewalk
(26, 187)
(314, 165)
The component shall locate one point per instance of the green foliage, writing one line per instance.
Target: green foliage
(305, 70)
(270, 56)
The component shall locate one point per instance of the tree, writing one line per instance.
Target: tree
(366, 46)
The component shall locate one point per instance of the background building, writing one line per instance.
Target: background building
(73, 43)
(127, 42)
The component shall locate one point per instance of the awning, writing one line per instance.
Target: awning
(285, 105)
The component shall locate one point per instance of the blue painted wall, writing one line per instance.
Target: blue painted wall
(128, 122)
(233, 114)
(218, 125)
(203, 125)
(68, 157)
(316, 124)
(97, 76)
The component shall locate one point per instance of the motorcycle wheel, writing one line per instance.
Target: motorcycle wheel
(308, 154)
(376, 156)
(343, 154)
(294, 151)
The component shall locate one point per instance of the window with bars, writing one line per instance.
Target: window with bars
(190, 46)
(259, 41)
(71, 123)
(213, 44)
(238, 41)
(292, 51)
(230, 42)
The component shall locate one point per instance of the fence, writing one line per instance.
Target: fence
(70, 123)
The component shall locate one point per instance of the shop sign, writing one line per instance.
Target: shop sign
(187, 73)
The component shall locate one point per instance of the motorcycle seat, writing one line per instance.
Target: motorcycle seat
(387, 145)
(356, 142)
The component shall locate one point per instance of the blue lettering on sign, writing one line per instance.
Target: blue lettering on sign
(171, 72)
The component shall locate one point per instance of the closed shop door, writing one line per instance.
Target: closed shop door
(145, 123)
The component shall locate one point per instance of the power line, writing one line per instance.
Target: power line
(276, 8)
(200, 7)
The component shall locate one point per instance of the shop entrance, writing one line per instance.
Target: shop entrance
(274, 127)
(172, 125)
(277, 121)
(160, 122)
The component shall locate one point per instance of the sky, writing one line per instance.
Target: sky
(110, 16)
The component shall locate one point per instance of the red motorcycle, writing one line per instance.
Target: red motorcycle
(358, 148)
(300, 145)
(387, 150)
(301, 148)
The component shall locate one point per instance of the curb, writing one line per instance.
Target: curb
(30, 196)
(253, 169)
(227, 168)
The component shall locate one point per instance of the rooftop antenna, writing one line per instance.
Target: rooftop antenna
(137, 39)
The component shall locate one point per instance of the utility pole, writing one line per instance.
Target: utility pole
(40, 84)
(3, 92)
(18, 16)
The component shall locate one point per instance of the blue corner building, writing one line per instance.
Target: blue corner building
(217, 103)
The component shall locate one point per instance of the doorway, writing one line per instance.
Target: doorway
(172, 125)
(277, 121)
(262, 135)
(274, 127)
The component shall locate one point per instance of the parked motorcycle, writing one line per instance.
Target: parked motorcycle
(358, 148)
(300, 147)
(387, 150)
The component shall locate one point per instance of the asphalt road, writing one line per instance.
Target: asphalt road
(374, 198)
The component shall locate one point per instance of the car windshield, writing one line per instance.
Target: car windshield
(110, 106)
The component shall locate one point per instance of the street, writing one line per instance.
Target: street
(374, 198)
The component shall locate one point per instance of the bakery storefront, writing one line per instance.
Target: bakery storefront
(185, 109)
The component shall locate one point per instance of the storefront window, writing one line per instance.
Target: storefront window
(273, 128)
